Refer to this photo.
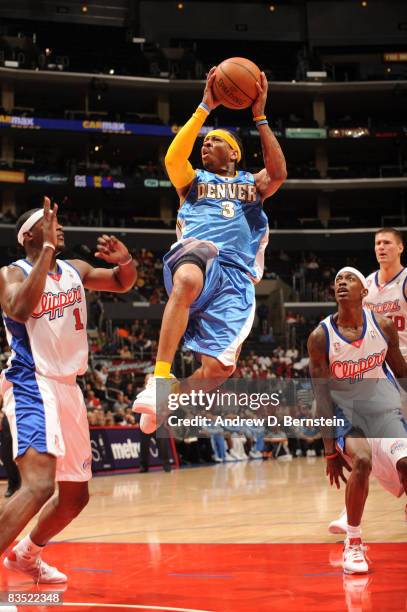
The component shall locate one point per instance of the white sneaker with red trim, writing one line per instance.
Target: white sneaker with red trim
(39, 571)
(354, 560)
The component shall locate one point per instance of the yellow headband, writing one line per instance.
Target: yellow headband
(227, 138)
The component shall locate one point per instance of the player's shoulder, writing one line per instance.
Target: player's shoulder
(371, 277)
(318, 337)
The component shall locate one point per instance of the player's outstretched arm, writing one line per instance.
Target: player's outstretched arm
(119, 279)
(179, 169)
(20, 294)
(274, 174)
(394, 357)
(320, 374)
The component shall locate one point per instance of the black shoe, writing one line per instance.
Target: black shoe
(143, 469)
(11, 489)
(167, 467)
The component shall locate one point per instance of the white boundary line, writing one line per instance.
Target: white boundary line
(132, 606)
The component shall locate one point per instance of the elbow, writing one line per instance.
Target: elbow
(20, 315)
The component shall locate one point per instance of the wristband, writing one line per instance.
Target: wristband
(259, 118)
(48, 244)
(205, 107)
(332, 456)
(261, 122)
(126, 263)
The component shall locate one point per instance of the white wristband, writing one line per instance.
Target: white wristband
(126, 263)
(48, 244)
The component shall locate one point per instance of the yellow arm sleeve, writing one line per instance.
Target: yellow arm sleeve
(179, 169)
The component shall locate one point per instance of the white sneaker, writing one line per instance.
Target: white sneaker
(298, 452)
(339, 525)
(285, 458)
(146, 403)
(235, 455)
(40, 571)
(354, 560)
(255, 454)
(228, 457)
(216, 459)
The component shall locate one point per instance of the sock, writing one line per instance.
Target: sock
(27, 549)
(354, 533)
(163, 369)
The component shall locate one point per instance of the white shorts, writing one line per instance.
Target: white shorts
(386, 452)
(50, 416)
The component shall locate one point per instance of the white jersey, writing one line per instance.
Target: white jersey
(358, 370)
(53, 342)
(390, 301)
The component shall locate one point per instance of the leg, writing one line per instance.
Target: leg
(188, 283)
(60, 511)
(402, 470)
(144, 451)
(13, 475)
(357, 487)
(37, 486)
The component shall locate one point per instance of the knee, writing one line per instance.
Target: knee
(217, 370)
(402, 467)
(70, 509)
(186, 287)
(362, 464)
(42, 491)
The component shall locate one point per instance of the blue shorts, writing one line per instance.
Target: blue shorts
(222, 316)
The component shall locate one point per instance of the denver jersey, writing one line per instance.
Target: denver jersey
(228, 212)
(53, 341)
(389, 300)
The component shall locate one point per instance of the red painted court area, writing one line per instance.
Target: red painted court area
(223, 577)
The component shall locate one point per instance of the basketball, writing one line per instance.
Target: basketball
(235, 82)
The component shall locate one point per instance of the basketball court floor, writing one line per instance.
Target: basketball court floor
(237, 537)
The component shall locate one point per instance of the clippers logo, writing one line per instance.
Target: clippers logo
(384, 308)
(398, 446)
(54, 304)
(354, 370)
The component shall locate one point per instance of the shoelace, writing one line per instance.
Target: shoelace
(356, 552)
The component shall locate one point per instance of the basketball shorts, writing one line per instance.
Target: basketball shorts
(50, 416)
(222, 316)
(386, 452)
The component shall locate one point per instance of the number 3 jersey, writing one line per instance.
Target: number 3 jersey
(228, 212)
(53, 341)
(389, 301)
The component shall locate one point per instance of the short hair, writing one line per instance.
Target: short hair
(391, 230)
(23, 218)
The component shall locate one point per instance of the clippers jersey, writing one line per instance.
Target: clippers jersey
(228, 212)
(358, 370)
(53, 342)
(389, 300)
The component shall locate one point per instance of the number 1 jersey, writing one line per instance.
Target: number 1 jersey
(53, 341)
(227, 211)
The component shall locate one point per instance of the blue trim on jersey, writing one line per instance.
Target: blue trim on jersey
(59, 269)
(338, 333)
(324, 327)
(376, 279)
(378, 327)
(72, 266)
(404, 288)
(29, 405)
(17, 265)
(390, 376)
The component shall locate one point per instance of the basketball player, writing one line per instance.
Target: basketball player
(387, 296)
(348, 354)
(222, 233)
(44, 311)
